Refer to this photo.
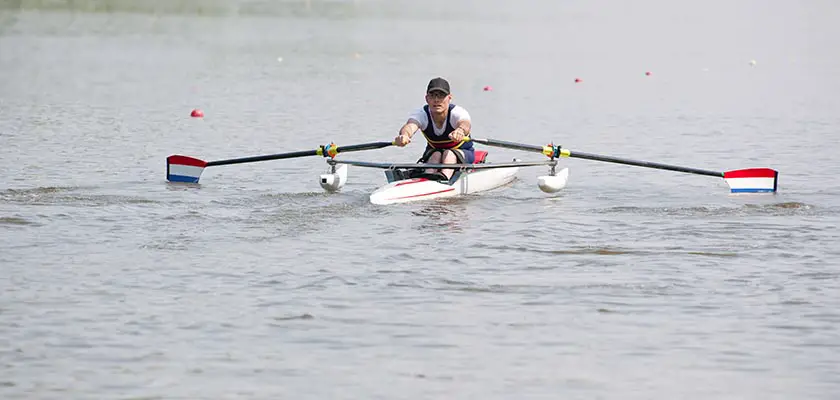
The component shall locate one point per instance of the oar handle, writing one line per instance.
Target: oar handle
(363, 146)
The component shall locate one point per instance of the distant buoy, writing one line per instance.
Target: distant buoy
(578, 80)
(647, 73)
(196, 113)
(488, 88)
(752, 62)
(279, 59)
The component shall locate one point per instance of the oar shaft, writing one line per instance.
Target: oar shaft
(324, 151)
(280, 156)
(647, 164)
(557, 151)
(364, 146)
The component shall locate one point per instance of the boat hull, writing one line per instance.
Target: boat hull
(418, 189)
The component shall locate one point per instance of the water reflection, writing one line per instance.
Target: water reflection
(8, 15)
(444, 215)
(11, 4)
(289, 8)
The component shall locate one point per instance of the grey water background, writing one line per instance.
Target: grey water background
(631, 283)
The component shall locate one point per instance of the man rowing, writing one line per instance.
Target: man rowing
(444, 125)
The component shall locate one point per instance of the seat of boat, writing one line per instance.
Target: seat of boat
(480, 156)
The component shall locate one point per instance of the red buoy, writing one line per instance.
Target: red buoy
(197, 113)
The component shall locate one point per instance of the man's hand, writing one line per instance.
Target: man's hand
(402, 140)
(457, 135)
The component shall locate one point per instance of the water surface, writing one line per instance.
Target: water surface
(631, 283)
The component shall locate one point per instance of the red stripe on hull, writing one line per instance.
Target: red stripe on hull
(408, 182)
(421, 195)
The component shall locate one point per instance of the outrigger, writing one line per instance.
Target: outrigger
(407, 182)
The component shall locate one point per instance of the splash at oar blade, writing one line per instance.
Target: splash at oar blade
(184, 169)
(754, 180)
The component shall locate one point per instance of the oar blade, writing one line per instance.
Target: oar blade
(753, 180)
(184, 169)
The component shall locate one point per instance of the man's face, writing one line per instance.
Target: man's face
(437, 100)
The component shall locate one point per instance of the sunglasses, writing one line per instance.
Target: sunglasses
(436, 95)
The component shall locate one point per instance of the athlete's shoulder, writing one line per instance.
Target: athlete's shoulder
(420, 111)
(419, 116)
(460, 112)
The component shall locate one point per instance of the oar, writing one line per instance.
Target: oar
(753, 180)
(188, 169)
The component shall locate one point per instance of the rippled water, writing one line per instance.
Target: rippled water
(631, 283)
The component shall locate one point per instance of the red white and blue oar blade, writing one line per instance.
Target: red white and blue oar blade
(754, 180)
(184, 169)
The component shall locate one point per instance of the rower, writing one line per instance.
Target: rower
(445, 127)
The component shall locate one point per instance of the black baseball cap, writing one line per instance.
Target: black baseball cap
(438, 84)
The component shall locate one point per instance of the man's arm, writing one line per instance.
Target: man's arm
(410, 127)
(461, 131)
(463, 126)
(406, 132)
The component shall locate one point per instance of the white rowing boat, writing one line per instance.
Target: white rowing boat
(414, 189)
(405, 186)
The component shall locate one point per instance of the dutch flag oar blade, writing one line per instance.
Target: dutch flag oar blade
(184, 169)
(753, 180)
